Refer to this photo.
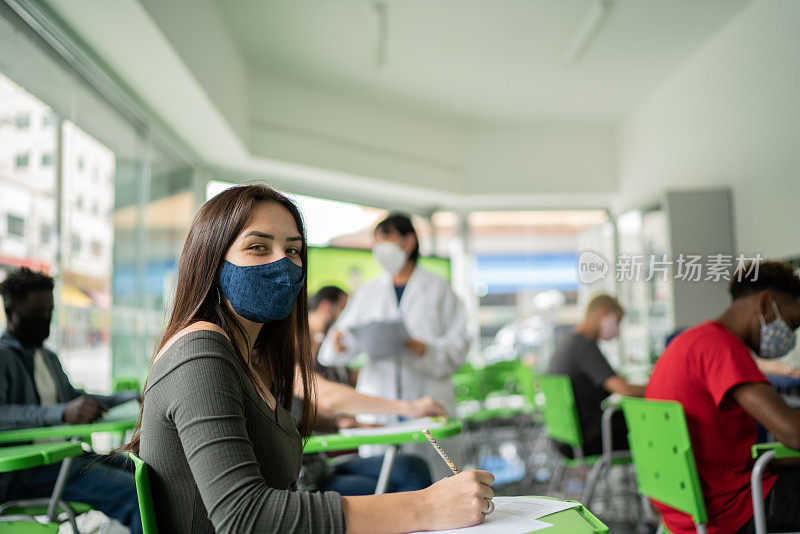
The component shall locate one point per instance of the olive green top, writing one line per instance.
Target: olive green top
(220, 459)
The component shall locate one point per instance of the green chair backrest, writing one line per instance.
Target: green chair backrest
(662, 455)
(560, 412)
(146, 509)
(526, 378)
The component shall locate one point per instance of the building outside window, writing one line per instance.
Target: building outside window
(15, 225)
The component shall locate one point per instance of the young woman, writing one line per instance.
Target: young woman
(215, 429)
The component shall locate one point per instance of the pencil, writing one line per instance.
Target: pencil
(441, 452)
(449, 462)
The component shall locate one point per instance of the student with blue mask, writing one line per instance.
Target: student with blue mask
(223, 449)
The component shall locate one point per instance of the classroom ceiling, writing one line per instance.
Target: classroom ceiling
(478, 60)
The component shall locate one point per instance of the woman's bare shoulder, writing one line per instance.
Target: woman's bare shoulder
(194, 327)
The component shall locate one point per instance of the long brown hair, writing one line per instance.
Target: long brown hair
(281, 346)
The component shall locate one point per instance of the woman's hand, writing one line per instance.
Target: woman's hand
(424, 407)
(416, 347)
(457, 501)
(338, 341)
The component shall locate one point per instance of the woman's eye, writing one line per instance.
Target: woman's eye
(293, 251)
(259, 248)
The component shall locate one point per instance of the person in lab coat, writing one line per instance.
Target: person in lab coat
(436, 323)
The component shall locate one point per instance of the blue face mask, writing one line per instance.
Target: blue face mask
(262, 293)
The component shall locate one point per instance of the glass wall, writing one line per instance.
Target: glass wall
(87, 197)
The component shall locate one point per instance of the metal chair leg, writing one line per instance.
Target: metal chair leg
(757, 491)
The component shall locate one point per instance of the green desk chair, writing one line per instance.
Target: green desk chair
(125, 383)
(764, 453)
(562, 423)
(665, 466)
(146, 509)
(663, 458)
(19, 516)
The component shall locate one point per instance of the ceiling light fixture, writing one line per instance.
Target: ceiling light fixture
(587, 30)
(380, 11)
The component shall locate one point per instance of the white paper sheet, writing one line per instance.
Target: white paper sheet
(403, 426)
(380, 339)
(515, 515)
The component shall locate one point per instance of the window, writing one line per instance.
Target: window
(47, 159)
(81, 163)
(75, 243)
(79, 202)
(16, 225)
(96, 248)
(45, 233)
(21, 161)
(23, 122)
(48, 120)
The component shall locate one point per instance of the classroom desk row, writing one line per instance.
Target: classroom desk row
(574, 521)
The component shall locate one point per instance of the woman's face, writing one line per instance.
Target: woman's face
(406, 242)
(270, 235)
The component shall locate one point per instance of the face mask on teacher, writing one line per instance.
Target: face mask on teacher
(262, 293)
(390, 256)
(777, 339)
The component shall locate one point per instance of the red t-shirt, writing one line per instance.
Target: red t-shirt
(697, 369)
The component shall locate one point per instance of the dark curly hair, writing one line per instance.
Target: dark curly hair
(20, 283)
(753, 278)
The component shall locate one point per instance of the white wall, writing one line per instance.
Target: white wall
(730, 116)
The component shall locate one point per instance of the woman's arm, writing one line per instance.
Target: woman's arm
(334, 398)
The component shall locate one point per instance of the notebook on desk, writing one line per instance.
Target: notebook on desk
(516, 515)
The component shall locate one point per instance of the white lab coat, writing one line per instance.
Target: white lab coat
(433, 314)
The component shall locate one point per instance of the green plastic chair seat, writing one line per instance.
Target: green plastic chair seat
(77, 507)
(28, 527)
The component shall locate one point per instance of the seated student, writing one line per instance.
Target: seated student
(337, 403)
(593, 379)
(357, 475)
(324, 308)
(223, 450)
(34, 391)
(710, 370)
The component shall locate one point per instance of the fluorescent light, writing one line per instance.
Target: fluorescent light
(587, 30)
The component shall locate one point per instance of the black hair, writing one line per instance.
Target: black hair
(400, 223)
(20, 283)
(756, 277)
(331, 294)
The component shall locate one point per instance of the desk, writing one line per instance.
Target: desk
(119, 419)
(339, 442)
(35, 455)
(573, 521)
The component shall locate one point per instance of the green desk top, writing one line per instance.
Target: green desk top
(781, 450)
(66, 431)
(574, 521)
(338, 442)
(34, 455)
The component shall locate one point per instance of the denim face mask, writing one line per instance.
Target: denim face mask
(262, 293)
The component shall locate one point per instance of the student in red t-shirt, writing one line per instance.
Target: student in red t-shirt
(710, 370)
